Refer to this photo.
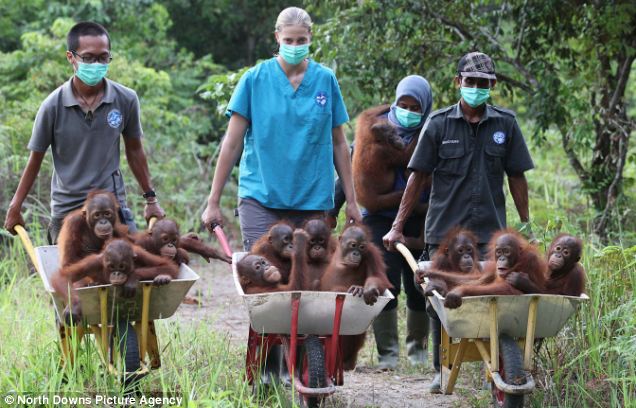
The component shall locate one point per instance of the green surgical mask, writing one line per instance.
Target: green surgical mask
(91, 74)
(293, 54)
(475, 96)
(407, 118)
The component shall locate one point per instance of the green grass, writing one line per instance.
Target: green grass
(592, 363)
(198, 364)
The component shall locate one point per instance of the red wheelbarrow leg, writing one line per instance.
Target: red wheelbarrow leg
(258, 348)
(293, 334)
(252, 356)
(333, 355)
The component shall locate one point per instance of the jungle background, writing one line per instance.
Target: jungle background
(565, 67)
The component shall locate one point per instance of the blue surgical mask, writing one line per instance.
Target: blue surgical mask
(407, 118)
(475, 96)
(293, 54)
(91, 74)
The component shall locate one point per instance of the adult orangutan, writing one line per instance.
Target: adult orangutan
(455, 262)
(509, 253)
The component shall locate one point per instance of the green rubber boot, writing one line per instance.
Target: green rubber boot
(417, 336)
(385, 330)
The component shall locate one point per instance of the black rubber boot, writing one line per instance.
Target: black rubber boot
(417, 336)
(436, 336)
(385, 331)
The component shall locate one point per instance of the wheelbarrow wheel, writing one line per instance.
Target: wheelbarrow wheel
(123, 340)
(511, 370)
(311, 367)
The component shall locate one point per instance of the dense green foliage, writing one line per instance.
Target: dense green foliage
(563, 66)
(235, 33)
(181, 133)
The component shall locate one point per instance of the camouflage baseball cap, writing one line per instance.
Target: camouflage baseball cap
(476, 65)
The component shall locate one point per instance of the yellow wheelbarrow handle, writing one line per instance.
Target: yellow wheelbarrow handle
(28, 245)
(407, 255)
(151, 223)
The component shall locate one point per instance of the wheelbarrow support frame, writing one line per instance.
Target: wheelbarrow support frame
(331, 343)
(70, 335)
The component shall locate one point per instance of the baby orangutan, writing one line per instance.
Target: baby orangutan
(511, 256)
(164, 240)
(119, 264)
(258, 275)
(277, 248)
(566, 275)
(455, 262)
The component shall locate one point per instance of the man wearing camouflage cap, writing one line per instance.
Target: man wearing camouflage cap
(466, 148)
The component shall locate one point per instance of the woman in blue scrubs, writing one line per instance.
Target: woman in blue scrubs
(286, 117)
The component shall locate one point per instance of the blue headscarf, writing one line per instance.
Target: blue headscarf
(418, 88)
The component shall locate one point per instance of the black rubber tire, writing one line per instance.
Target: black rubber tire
(124, 340)
(313, 355)
(511, 363)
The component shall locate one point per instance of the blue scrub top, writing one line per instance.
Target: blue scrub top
(287, 160)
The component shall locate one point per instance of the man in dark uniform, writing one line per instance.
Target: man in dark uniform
(466, 148)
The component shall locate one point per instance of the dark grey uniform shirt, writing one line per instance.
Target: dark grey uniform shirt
(85, 152)
(468, 169)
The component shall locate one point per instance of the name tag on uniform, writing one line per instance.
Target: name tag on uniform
(450, 141)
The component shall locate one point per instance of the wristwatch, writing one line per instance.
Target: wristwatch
(149, 194)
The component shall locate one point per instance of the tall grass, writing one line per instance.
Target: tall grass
(199, 364)
(592, 362)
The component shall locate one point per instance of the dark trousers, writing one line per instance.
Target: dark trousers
(256, 220)
(435, 328)
(397, 269)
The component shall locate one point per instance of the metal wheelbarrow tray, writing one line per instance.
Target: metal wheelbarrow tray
(104, 311)
(271, 312)
(283, 317)
(163, 303)
(472, 318)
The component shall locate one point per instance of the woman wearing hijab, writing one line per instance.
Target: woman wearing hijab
(407, 114)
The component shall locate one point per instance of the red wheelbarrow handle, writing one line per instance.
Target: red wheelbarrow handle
(220, 235)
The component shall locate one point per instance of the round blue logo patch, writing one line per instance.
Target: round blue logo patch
(114, 118)
(499, 137)
(321, 99)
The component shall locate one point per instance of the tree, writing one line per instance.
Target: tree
(179, 130)
(235, 33)
(568, 62)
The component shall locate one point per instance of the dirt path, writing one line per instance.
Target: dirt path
(364, 387)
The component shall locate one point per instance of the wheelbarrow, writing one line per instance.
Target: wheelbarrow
(308, 325)
(123, 327)
(500, 331)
